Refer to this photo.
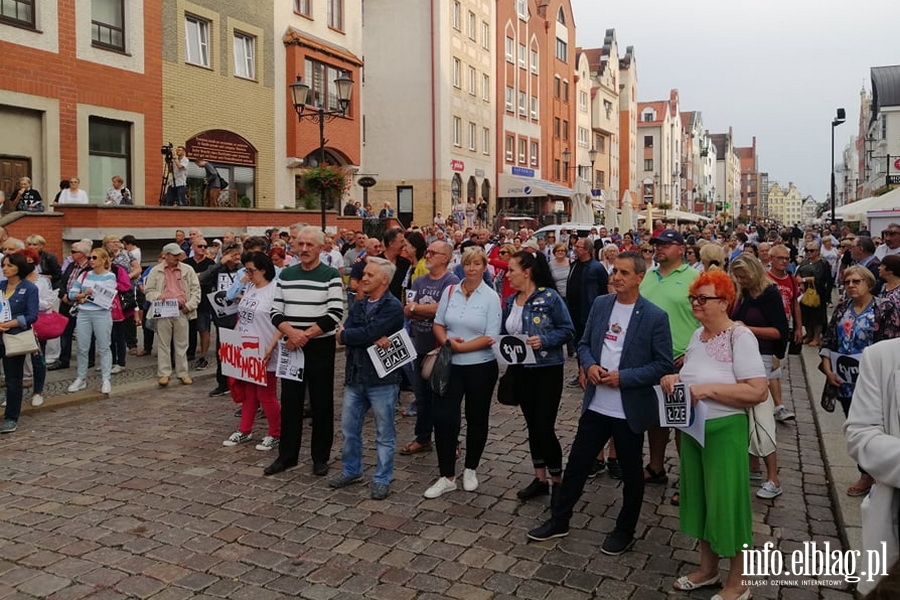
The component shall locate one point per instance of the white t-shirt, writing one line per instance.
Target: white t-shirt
(514, 320)
(78, 197)
(882, 250)
(712, 362)
(253, 317)
(608, 400)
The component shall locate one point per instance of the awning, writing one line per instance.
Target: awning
(511, 186)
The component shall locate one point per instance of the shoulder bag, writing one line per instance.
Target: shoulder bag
(760, 420)
(17, 344)
(440, 372)
(50, 325)
(505, 391)
(429, 359)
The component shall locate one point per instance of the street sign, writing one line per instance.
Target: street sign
(897, 164)
(893, 180)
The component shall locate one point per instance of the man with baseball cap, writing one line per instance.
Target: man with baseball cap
(666, 286)
(173, 280)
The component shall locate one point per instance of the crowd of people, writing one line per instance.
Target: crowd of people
(663, 306)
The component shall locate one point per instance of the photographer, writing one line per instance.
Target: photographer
(212, 181)
(179, 173)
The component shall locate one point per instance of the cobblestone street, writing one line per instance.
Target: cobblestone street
(135, 496)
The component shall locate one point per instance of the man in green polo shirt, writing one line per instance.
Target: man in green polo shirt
(667, 287)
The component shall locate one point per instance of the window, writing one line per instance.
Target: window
(109, 149)
(523, 147)
(457, 131)
(17, 12)
(470, 26)
(303, 7)
(534, 153)
(485, 35)
(607, 106)
(534, 107)
(601, 145)
(600, 178)
(583, 101)
(556, 127)
(523, 108)
(244, 55)
(561, 16)
(510, 96)
(197, 39)
(583, 137)
(557, 82)
(648, 164)
(556, 169)
(108, 24)
(510, 49)
(336, 14)
(455, 15)
(562, 50)
(565, 130)
(522, 9)
(565, 91)
(534, 61)
(471, 84)
(457, 68)
(471, 136)
(485, 140)
(485, 87)
(648, 141)
(523, 56)
(320, 79)
(510, 142)
(649, 116)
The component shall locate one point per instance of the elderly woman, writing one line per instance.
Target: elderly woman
(814, 272)
(858, 321)
(538, 311)
(608, 257)
(468, 317)
(48, 263)
(22, 296)
(118, 193)
(692, 257)
(715, 477)
(94, 318)
(126, 270)
(26, 197)
(73, 194)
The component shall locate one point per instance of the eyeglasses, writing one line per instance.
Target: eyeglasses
(201, 245)
(702, 300)
(852, 281)
(433, 252)
(808, 250)
(884, 233)
(93, 258)
(647, 251)
(503, 252)
(773, 257)
(250, 271)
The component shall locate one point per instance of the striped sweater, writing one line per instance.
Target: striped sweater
(306, 298)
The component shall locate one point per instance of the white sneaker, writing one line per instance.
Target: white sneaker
(116, 369)
(37, 400)
(769, 490)
(105, 387)
(267, 443)
(237, 438)
(783, 414)
(470, 480)
(77, 385)
(440, 487)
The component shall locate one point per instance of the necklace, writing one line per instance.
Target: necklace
(466, 291)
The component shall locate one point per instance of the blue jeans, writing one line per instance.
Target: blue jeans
(99, 324)
(357, 400)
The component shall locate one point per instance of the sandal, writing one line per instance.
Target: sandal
(860, 488)
(684, 584)
(414, 447)
(656, 478)
(675, 500)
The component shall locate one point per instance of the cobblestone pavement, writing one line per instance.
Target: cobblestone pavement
(134, 496)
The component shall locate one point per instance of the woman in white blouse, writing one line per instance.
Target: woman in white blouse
(73, 195)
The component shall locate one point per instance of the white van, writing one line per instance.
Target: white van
(582, 229)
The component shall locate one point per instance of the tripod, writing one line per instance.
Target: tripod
(165, 199)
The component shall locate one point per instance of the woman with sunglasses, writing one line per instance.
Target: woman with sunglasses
(814, 272)
(501, 265)
(858, 321)
(94, 318)
(715, 478)
(22, 296)
(127, 270)
(73, 194)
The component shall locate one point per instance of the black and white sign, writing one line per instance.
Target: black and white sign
(400, 352)
(675, 410)
(290, 363)
(103, 296)
(162, 309)
(512, 350)
(220, 305)
(846, 366)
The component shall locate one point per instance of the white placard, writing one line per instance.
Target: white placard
(290, 363)
(242, 356)
(220, 305)
(163, 309)
(225, 281)
(675, 410)
(5, 311)
(102, 296)
(846, 366)
(512, 350)
(400, 352)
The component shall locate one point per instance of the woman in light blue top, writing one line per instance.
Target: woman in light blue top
(468, 316)
(94, 318)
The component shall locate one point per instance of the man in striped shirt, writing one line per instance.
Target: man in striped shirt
(307, 308)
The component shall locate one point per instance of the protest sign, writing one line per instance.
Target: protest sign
(242, 357)
(512, 350)
(400, 352)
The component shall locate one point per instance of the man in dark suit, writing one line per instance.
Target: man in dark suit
(625, 350)
(587, 280)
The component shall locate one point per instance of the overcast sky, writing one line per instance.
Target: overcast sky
(776, 70)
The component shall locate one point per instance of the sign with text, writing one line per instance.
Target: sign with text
(400, 352)
(242, 357)
(102, 296)
(846, 366)
(675, 410)
(290, 363)
(221, 146)
(220, 305)
(163, 309)
(457, 165)
(513, 350)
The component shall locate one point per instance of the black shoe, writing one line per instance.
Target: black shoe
(277, 467)
(220, 390)
(56, 366)
(549, 530)
(320, 469)
(533, 490)
(597, 468)
(616, 543)
(615, 469)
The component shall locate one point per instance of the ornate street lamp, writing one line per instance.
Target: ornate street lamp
(839, 118)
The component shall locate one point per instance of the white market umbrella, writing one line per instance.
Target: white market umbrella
(627, 212)
(611, 215)
(582, 209)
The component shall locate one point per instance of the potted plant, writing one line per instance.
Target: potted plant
(325, 181)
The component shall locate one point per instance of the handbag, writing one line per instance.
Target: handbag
(505, 393)
(440, 372)
(811, 298)
(128, 300)
(760, 419)
(50, 325)
(17, 344)
(428, 363)
(829, 397)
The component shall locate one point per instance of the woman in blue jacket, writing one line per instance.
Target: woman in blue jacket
(23, 299)
(540, 313)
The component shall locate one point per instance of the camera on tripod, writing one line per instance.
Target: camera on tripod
(167, 151)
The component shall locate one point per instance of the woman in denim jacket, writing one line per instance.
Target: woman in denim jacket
(22, 296)
(539, 312)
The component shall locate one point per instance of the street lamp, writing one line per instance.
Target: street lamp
(839, 118)
(300, 95)
(592, 154)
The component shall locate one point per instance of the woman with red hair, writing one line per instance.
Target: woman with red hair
(715, 478)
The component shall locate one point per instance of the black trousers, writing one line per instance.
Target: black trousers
(318, 378)
(594, 430)
(539, 390)
(476, 384)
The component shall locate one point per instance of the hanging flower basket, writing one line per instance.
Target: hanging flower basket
(327, 182)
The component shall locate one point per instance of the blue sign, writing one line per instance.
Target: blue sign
(523, 172)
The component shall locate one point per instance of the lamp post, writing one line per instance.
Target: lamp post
(592, 155)
(300, 95)
(839, 118)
